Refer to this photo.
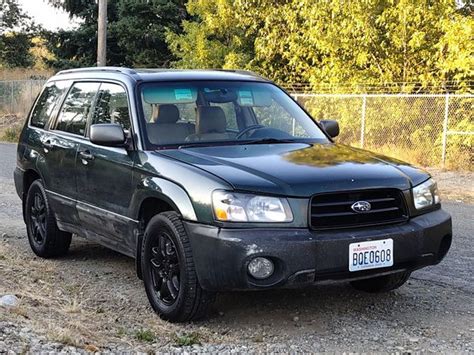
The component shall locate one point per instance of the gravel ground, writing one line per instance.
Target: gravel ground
(91, 300)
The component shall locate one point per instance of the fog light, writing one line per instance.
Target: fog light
(261, 268)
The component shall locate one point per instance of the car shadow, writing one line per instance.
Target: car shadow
(316, 307)
(337, 298)
(84, 249)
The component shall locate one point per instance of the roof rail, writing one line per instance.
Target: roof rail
(99, 69)
(240, 71)
(246, 72)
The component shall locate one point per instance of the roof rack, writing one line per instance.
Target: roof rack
(99, 69)
(240, 71)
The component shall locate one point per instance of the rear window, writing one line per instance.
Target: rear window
(47, 102)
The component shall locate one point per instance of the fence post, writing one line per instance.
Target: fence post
(11, 97)
(362, 122)
(445, 129)
(31, 92)
(293, 125)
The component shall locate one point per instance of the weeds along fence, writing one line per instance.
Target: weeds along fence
(433, 130)
(17, 96)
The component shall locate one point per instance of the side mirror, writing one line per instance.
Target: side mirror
(108, 134)
(331, 127)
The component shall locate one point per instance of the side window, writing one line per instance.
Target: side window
(76, 108)
(229, 110)
(112, 106)
(47, 102)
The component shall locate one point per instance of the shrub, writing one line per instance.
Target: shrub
(11, 134)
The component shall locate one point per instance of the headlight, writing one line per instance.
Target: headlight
(238, 207)
(426, 194)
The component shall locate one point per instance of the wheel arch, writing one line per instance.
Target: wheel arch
(157, 196)
(29, 176)
(168, 196)
(153, 205)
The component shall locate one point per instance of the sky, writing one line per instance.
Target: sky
(46, 15)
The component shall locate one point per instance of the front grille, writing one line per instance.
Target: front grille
(333, 210)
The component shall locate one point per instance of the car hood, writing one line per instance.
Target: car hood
(299, 169)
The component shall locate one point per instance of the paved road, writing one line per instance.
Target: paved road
(7, 160)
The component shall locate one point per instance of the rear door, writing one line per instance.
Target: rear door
(104, 175)
(60, 145)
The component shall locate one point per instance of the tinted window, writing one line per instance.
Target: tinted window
(47, 102)
(112, 106)
(76, 108)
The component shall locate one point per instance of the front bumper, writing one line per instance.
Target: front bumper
(303, 257)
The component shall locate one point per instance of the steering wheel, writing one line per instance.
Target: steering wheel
(249, 129)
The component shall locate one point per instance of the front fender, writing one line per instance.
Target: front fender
(167, 191)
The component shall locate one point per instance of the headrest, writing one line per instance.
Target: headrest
(165, 113)
(210, 119)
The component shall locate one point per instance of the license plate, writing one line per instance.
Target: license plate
(370, 255)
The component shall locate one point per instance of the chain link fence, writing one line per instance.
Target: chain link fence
(16, 98)
(435, 130)
(429, 130)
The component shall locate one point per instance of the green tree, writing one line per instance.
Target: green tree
(216, 36)
(16, 33)
(136, 33)
(333, 42)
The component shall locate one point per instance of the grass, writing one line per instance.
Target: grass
(24, 73)
(187, 339)
(10, 127)
(11, 134)
(64, 336)
(145, 335)
(73, 306)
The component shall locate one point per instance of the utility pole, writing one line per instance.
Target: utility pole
(102, 34)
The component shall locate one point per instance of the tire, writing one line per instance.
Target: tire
(168, 270)
(46, 240)
(381, 283)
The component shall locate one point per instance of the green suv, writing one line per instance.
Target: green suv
(217, 180)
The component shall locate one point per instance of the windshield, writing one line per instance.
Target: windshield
(198, 113)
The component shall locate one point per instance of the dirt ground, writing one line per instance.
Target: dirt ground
(455, 185)
(91, 300)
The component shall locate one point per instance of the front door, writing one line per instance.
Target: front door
(104, 176)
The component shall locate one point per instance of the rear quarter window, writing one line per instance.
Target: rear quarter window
(47, 102)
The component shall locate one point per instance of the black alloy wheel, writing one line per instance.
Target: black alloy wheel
(46, 240)
(165, 269)
(169, 274)
(38, 219)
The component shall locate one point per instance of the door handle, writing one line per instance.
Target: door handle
(48, 145)
(86, 156)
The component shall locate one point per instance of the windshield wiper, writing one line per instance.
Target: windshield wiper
(269, 141)
(238, 142)
(207, 144)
